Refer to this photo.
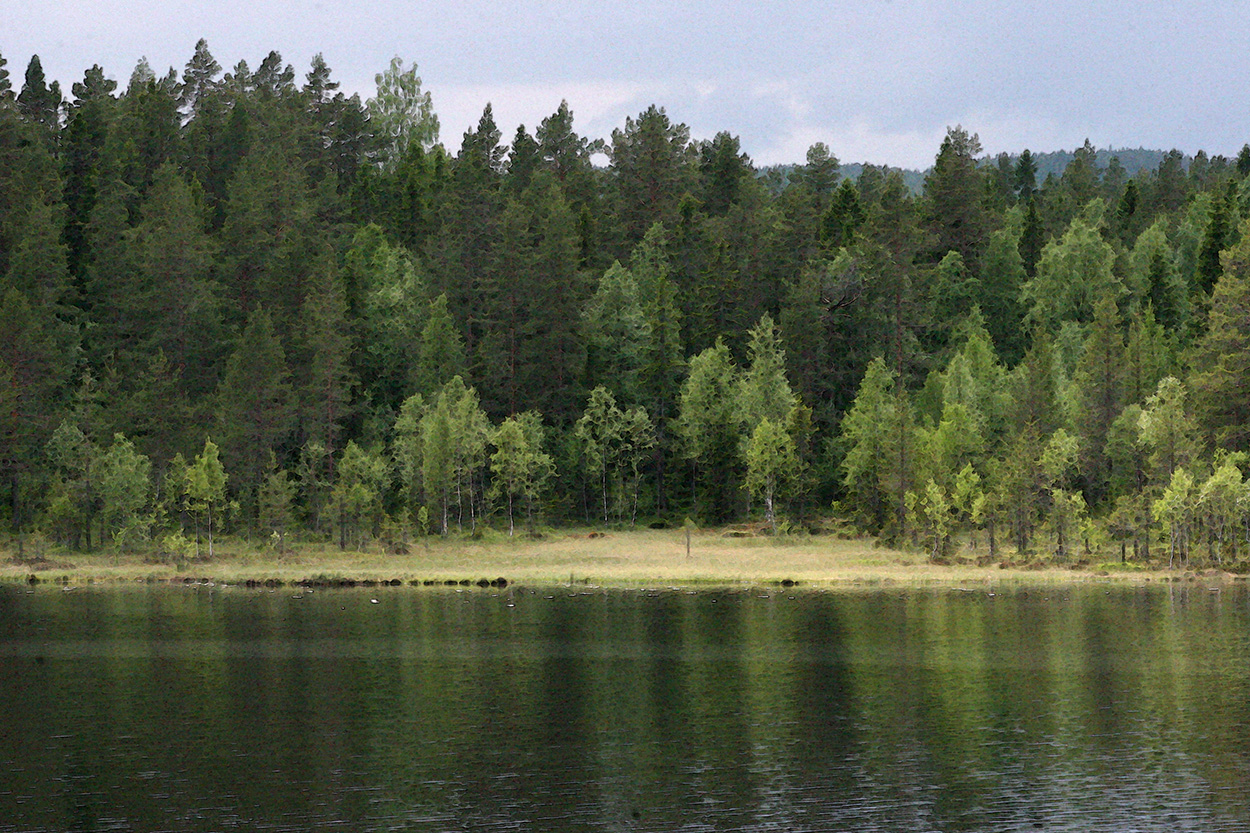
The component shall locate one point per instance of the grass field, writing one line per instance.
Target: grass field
(626, 558)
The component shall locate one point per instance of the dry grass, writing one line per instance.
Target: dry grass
(629, 558)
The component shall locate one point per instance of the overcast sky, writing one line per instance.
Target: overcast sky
(876, 80)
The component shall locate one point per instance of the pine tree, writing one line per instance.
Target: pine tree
(1221, 357)
(254, 406)
(652, 167)
(40, 103)
(441, 354)
(324, 378)
(953, 197)
(616, 334)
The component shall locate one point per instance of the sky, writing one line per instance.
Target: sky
(875, 80)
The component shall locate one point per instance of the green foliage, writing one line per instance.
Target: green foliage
(205, 486)
(277, 507)
(298, 273)
(362, 478)
(254, 405)
(402, 114)
(707, 424)
(616, 333)
(1072, 274)
(1176, 509)
(763, 391)
(520, 466)
(1167, 430)
(613, 443)
(454, 434)
(442, 349)
(772, 461)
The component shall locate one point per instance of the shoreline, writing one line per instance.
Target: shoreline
(625, 559)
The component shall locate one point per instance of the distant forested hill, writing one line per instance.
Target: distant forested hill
(1132, 160)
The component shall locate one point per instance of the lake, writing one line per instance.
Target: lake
(199, 708)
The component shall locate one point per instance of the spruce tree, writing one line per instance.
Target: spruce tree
(254, 406)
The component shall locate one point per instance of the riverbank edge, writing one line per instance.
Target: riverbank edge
(624, 559)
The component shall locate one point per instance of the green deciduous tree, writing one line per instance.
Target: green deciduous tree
(122, 476)
(1074, 271)
(708, 426)
(205, 486)
(1176, 509)
(1167, 430)
(771, 461)
(519, 465)
(454, 434)
(360, 483)
(613, 443)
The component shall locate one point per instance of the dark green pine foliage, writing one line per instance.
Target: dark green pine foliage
(1024, 177)
(1032, 239)
(254, 407)
(6, 85)
(819, 176)
(26, 169)
(652, 167)
(1243, 160)
(531, 355)
(88, 119)
(567, 156)
(214, 137)
(40, 103)
(1216, 238)
(1128, 214)
(323, 376)
(895, 312)
(1002, 276)
(804, 328)
(953, 192)
(38, 264)
(146, 132)
(175, 305)
(1221, 357)
(404, 198)
(110, 283)
(37, 354)
(1099, 379)
(663, 354)
(1169, 188)
(150, 405)
(523, 160)
(464, 254)
(843, 219)
(442, 355)
(723, 168)
(268, 236)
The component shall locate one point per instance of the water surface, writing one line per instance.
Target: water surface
(574, 709)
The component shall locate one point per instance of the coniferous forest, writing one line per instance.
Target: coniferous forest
(239, 301)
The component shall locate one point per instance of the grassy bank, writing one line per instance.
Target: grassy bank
(627, 558)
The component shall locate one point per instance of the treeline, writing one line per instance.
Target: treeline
(232, 297)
